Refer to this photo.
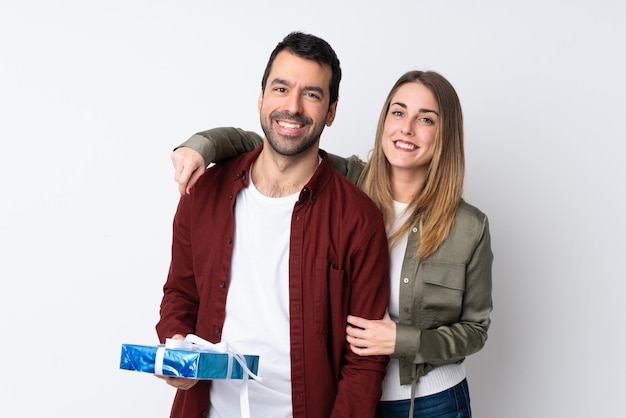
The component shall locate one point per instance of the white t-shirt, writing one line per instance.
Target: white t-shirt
(257, 306)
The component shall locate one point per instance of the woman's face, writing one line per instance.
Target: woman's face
(410, 129)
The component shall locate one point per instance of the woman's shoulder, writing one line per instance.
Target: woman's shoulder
(468, 215)
(470, 226)
(350, 167)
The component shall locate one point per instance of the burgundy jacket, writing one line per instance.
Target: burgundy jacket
(338, 264)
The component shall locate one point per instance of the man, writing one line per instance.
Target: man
(272, 250)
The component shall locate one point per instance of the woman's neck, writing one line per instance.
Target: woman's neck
(406, 184)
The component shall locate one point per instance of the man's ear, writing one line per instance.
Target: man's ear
(260, 103)
(332, 111)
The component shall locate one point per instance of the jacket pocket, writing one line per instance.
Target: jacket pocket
(442, 294)
(328, 295)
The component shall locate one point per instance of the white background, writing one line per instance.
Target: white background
(95, 94)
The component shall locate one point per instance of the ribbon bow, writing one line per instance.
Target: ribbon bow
(194, 343)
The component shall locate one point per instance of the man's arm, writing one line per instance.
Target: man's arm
(179, 306)
(214, 145)
(360, 386)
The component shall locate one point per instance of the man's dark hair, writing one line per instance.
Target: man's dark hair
(312, 48)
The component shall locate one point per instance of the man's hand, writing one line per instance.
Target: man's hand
(178, 382)
(189, 166)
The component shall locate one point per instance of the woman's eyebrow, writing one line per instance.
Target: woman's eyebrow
(423, 110)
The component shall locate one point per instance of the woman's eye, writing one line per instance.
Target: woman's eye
(396, 113)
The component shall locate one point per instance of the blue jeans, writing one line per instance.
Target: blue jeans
(451, 403)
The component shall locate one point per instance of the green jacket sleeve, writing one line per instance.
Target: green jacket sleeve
(218, 144)
(350, 167)
(459, 340)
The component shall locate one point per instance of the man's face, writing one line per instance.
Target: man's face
(294, 106)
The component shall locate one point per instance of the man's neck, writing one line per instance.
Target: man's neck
(276, 175)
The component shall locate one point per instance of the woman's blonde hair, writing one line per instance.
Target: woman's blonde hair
(433, 209)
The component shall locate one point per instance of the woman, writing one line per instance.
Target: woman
(440, 246)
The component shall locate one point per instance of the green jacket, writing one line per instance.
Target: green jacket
(221, 143)
(445, 299)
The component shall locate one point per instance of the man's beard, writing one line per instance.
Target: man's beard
(290, 145)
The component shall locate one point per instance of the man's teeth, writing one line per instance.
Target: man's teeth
(290, 125)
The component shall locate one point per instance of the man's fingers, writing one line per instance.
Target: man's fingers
(179, 383)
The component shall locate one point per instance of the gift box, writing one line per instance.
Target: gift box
(193, 362)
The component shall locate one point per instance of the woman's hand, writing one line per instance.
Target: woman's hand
(188, 167)
(371, 337)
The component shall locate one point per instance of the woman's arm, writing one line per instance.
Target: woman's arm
(453, 342)
(219, 144)
(214, 145)
(191, 158)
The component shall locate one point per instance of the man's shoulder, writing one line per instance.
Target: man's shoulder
(216, 177)
(231, 165)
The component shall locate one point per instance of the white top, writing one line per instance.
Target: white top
(441, 378)
(257, 306)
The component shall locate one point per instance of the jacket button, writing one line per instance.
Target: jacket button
(205, 414)
(222, 285)
(405, 280)
(217, 330)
